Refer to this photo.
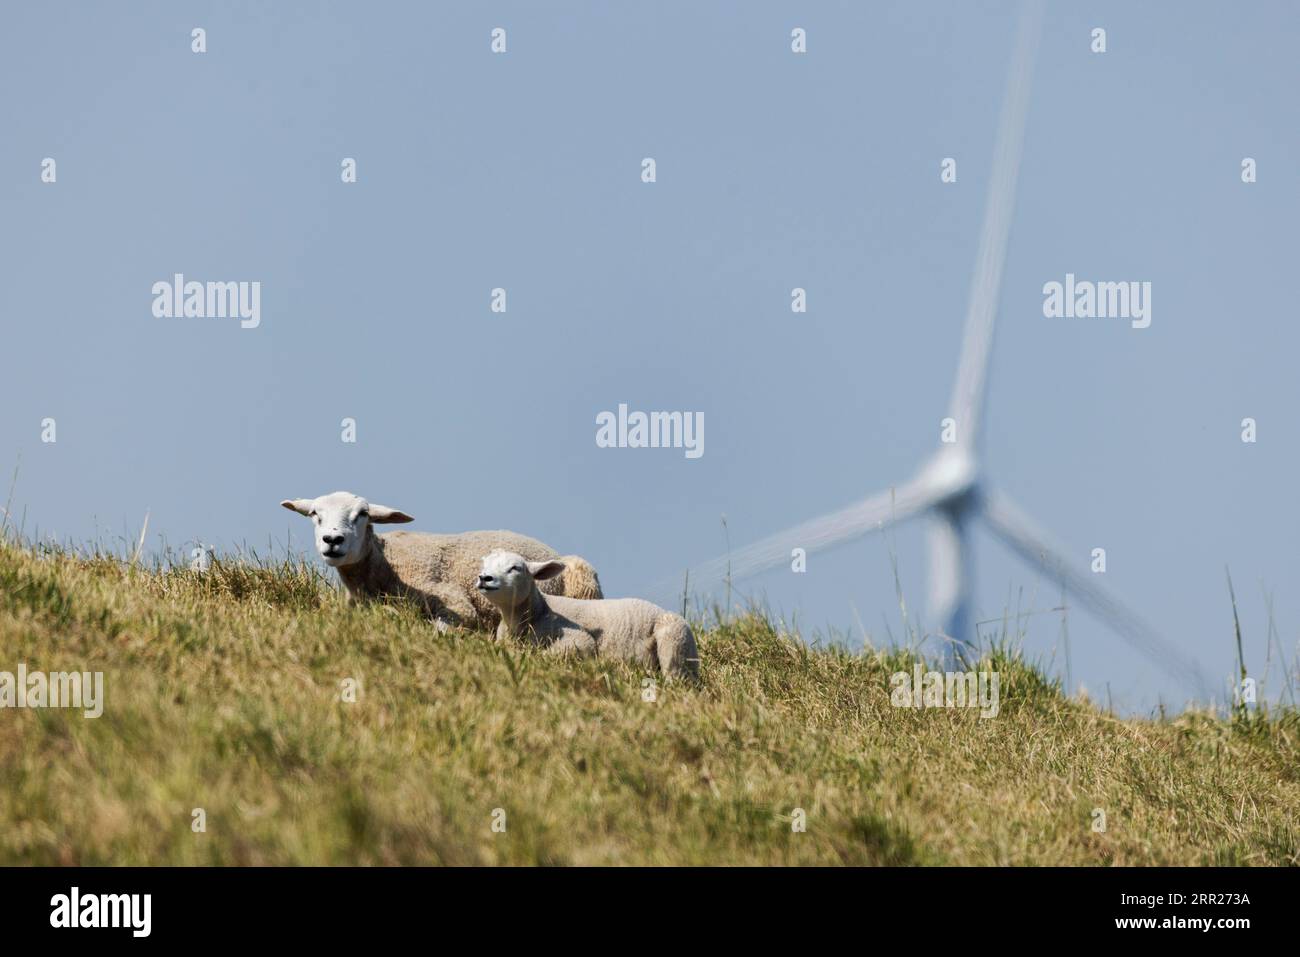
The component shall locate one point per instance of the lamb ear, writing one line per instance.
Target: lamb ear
(382, 514)
(300, 505)
(544, 570)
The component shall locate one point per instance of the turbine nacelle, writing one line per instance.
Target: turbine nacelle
(951, 478)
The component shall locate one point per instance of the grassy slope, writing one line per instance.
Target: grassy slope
(223, 693)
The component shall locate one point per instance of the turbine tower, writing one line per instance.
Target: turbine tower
(949, 488)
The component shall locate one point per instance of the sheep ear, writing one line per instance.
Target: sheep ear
(300, 505)
(544, 570)
(382, 514)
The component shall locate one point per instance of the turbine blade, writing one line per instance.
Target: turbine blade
(967, 403)
(1015, 528)
(873, 512)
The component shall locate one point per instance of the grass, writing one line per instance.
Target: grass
(223, 692)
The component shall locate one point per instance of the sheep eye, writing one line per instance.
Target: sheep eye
(313, 513)
(517, 568)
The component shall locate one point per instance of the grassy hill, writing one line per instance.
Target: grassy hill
(224, 692)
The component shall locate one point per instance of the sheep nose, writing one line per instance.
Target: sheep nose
(485, 579)
(332, 539)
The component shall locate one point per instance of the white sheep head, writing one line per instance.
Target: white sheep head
(341, 520)
(506, 578)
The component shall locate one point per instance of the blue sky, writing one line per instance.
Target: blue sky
(774, 170)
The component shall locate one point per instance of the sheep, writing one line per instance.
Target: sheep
(626, 628)
(438, 571)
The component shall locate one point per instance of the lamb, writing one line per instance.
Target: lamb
(626, 628)
(438, 571)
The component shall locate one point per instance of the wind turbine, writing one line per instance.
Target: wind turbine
(949, 488)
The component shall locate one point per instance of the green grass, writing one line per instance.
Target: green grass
(223, 692)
